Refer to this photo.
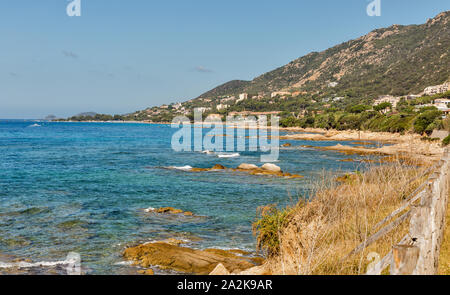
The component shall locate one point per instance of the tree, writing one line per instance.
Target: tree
(424, 119)
(382, 107)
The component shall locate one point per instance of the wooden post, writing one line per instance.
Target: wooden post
(404, 259)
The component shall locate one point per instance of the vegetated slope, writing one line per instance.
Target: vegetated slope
(397, 60)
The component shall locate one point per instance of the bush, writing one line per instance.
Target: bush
(267, 228)
(425, 119)
(446, 141)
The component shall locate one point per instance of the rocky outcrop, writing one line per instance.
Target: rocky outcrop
(147, 272)
(286, 145)
(220, 270)
(267, 169)
(245, 166)
(187, 260)
(271, 167)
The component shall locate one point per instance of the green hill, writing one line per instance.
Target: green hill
(397, 60)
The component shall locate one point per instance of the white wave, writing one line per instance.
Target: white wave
(23, 264)
(184, 168)
(228, 155)
(207, 152)
(149, 209)
(35, 125)
(124, 263)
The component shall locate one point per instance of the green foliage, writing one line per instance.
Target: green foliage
(383, 106)
(422, 122)
(446, 141)
(289, 122)
(357, 109)
(267, 227)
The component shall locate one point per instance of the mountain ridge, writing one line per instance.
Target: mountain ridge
(372, 60)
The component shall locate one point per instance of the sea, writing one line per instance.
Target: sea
(83, 188)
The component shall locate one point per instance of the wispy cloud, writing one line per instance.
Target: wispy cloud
(70, 54)
(13, 74)
(201, 69)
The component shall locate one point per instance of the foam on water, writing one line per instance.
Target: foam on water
(234, 155)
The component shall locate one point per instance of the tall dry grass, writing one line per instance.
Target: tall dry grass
(316, 236)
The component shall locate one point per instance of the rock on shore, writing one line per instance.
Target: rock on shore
(187, 260)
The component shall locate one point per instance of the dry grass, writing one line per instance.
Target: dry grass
(444, 259)
(317, 236)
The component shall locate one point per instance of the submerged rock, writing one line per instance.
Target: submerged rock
(186, 260)
(169, 210)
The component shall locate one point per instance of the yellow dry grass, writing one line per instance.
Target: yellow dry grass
(319, 234)
(444, 259)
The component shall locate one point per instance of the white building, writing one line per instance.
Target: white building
(432, 90)
(387, 98)
(243, 96)
(222, 107)
(202, 109)
(333, 84)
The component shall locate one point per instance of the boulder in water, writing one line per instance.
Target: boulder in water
(271, 167)
(245, 166)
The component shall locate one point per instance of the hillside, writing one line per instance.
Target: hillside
(397, 60)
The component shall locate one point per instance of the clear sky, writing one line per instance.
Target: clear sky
(121, 56)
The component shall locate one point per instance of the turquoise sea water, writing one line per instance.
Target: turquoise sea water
(82, 187)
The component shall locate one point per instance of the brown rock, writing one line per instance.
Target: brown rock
(347, 160)
(173, 241)
(169, 210)
(218, 167)
(220, 270)
(245, 166)
(287, 145)
(185, 259)
(147, 272)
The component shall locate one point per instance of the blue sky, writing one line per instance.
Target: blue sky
(121, 56)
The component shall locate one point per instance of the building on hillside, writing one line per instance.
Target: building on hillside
(279, 93)
(442, 104)
(249, 113)
(227, 99)
(222, 107)
(333, 84)
(202, 109)
(243, 96)
(411, 96)
(214, 117)
(387, 98)
(432, 90)
(176, 106)
(339, 98)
